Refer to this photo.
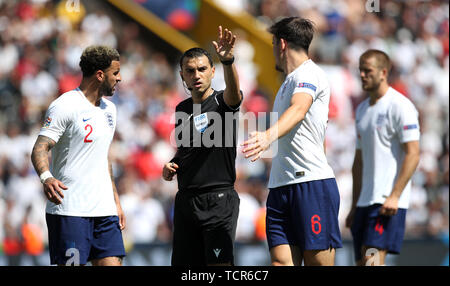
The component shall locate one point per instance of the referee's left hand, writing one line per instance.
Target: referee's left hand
(169, 170)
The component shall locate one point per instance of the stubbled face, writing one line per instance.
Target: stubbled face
(112, 77)
(371, 75)
(197, 73)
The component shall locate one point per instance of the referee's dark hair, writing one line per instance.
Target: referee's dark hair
(96, 58)
(195, 53)
(298, 32)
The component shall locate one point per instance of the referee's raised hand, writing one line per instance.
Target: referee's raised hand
(224, 45)
(169, 170)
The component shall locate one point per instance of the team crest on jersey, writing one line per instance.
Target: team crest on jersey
(109, 119)
(201, 122)
(381, 118)
(47, 122)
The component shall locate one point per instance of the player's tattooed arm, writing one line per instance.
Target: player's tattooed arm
(39, 155)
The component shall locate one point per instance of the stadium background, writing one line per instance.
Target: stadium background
(40, 45)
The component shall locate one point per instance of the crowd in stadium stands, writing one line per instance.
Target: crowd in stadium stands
(40, 46)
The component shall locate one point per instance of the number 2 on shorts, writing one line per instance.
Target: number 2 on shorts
(315, 224)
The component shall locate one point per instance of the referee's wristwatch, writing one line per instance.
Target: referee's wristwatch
(228, 62)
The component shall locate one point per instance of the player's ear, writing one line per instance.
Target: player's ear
(99, 75)
(213, 70)
(283, 44)
(385, 73)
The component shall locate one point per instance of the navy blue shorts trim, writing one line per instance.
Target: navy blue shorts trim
(77, 240)
(305, 215)
(371, 229)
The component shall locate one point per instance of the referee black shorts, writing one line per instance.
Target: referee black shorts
(204, 227)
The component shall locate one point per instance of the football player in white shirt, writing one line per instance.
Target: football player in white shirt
(303, 202)
(79, 186)
(387, 154)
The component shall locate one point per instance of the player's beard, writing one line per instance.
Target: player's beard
(373, 86)
(105, 88)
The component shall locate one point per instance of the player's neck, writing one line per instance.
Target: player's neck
(198, 98)
(294, 59)
(379, 93)
(90, 89)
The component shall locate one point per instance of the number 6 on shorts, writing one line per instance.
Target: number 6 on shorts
(315, 224)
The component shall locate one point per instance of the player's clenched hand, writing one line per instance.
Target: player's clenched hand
(390, 206)
(169, 170)
(53, 190)
(121, 215)
(225, 44)
(256, 145)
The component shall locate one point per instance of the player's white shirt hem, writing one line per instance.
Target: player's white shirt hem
(309, 179)
(79, 214)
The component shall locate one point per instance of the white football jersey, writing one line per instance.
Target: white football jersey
(300, 155)
(83, 133)
(381, 129)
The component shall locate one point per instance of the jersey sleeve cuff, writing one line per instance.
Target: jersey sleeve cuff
(49, 134)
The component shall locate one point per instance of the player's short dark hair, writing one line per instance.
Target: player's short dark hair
(195, 53)
(96, 58)
(382, 59)
(298, 32)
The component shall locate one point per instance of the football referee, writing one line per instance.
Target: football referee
(206, 205)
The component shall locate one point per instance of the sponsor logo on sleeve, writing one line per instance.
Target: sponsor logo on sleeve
(47, 122)
(410, 126)
(307, 85)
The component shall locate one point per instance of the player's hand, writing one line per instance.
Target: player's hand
(53, 190)
(350, 217)
(169, 170)
(390, 206)
(225, 44)
(121, 215)
(257, 143)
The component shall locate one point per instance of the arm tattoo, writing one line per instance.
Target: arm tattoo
(39, 155)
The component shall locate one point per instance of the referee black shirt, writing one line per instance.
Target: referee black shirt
(206, 137)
